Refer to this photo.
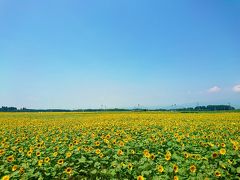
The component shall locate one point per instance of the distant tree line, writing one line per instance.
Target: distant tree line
(8, 109)
(190, 109)
(14, 109)
(208, 108)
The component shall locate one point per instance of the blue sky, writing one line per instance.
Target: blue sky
(82, 54)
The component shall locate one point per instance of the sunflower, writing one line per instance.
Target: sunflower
(47, 159)
(121, 144)
(211, 144)
(235, 147)
(130, 166)
(97, 143)
(86, 149)
(108, 136)
(14, 168)
(145, 151)
(140, 178)
(198, 157)
(70, 145)
(160, 168)
(68, 154)
(175, 168)
(214, 155)
(222, 151)
(2, 152)
(120, 152)
(10, 158)
(20, 149)
(38, 145)
(167, 157)
(132, 151)
(186, 155)
(60, 161)
(38, 153)
(75, 142)
(106, 141)
(29, 153)
(217, 173)
(7, 177)
(40, 162)
(123, 164)
(55, 154)
(21, 170)
(152, 156)
(169, 153)
(68, 170)
(175, 178)
(193, 168)
(56, 148)
(98, 151)
(101, 155)
(147, 154)
(223, 145)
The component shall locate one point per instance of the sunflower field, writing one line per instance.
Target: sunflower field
(114, 145)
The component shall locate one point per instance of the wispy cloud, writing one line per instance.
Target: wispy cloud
(214, 89)
(236, 88)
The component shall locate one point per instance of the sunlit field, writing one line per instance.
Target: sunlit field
(131, 145)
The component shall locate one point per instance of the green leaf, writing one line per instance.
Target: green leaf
(94, 171)
(82, 160)
(97, 164)
(238, 170)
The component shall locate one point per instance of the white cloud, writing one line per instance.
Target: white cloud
(236, 88)
(214, 89)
